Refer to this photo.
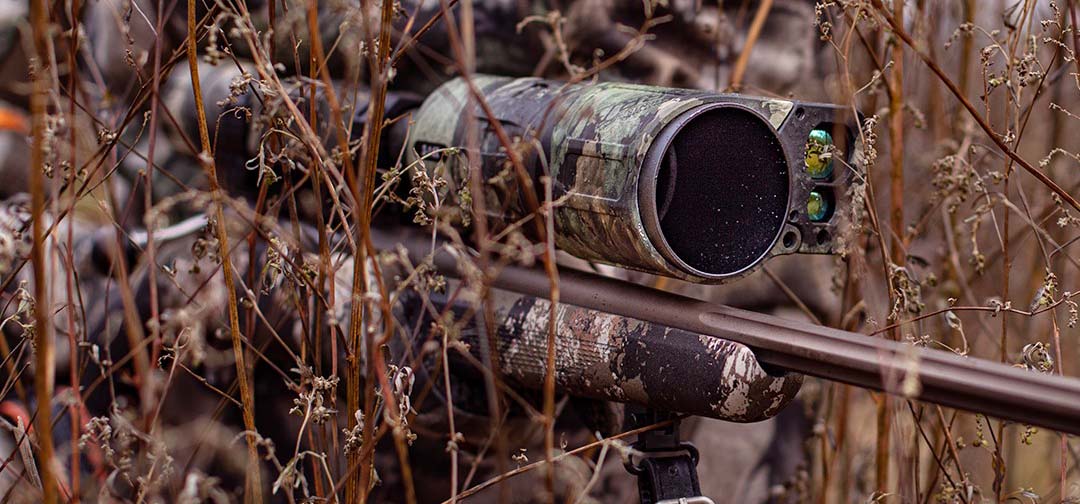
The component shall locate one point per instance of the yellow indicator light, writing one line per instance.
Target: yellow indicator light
(819, 154)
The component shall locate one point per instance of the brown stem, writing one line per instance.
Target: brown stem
(543, 231)
(896, 221)
(148, 201)
(253, 483)
(76, 405)
(1075, 34)
(751, 38)
(967, 48)
(44, 375)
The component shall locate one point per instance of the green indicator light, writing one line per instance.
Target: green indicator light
(818, 154)
(817, 207)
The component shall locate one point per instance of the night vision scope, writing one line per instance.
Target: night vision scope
(692, 184)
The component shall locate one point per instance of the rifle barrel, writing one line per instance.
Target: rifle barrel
(972, 384)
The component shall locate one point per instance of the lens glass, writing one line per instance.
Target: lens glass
(722, 191)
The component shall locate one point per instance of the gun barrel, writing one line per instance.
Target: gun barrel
(971, 384)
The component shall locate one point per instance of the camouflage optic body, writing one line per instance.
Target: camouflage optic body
(610, 150)
(242, 119)
(613, 358)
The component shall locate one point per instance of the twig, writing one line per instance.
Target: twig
(253, 483)
(791, 295)
(575, 451)
(407, 44)
(751, 39)
(44, 374)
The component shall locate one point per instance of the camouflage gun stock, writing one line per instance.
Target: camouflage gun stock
(603, 356)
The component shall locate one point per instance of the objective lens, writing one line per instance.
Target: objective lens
(818, 154)
(817, 206)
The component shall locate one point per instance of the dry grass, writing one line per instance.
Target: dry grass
(260, 353)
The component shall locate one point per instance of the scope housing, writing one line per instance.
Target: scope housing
(692, 184)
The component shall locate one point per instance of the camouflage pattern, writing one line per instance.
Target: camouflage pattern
(592, 139)
(613, 358)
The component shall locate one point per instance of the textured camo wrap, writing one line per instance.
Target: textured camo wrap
(592, 139)
(613, 358)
